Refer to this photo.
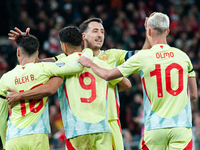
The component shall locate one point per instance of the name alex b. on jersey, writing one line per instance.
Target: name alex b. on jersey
(24, 79)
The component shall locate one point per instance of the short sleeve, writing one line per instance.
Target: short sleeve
(191, 71)
(68, 65)
(119, 55)
(132, 65)
(62, 67)
(115, 81)
(62, 55)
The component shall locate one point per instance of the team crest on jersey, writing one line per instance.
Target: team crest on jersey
(60, 64)
(103, 57)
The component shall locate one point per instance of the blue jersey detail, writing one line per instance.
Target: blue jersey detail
(42, 125)
(74, 126)
(154, 121)
(129, 54)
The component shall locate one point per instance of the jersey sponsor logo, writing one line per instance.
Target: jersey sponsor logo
(24, 79)
(60, 64)
(164, 55)
(104, 57)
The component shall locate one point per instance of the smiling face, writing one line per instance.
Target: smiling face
(94, 36)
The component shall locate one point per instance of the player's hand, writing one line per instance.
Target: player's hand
(14, 35)
(86, 62)
(13, 97)
(145, 23)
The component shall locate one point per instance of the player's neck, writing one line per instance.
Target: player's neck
(26, 60)
(69, 51)
(96, 52)
(158, 40)
(73, 51)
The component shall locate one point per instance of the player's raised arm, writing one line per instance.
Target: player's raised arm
(15, 34)
(45, 90)
(106, 74)
(147, 43)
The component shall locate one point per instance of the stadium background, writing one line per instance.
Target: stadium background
(123, 21)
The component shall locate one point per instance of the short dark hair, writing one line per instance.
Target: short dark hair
(71, 35)
(29, 43)
(83, 27)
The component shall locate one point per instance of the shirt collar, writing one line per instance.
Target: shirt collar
(160, 46)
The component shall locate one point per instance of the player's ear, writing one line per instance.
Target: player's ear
(18, 52)
(83, 36)
(65, 46)
(36, 55)
(167, 31)
(149, 32)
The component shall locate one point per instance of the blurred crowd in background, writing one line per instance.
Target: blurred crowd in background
(123, 21)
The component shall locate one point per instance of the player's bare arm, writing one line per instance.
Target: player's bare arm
(124, 84)
(37, 60)
(45, 90)
(193, 88)
(106, 74)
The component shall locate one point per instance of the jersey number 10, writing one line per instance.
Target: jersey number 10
(31, 103)
(157, 73)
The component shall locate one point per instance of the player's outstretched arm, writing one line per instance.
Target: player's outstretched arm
(37, 60)
(124, 84)
(193, 88)
(106, 74)
(14, 35)
(45, 90)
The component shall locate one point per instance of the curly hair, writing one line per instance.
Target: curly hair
(70, 35)
(29, 43)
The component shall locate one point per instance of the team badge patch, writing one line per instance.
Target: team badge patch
(60, 64)
(103, 57)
